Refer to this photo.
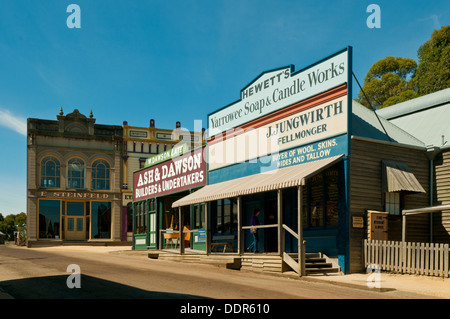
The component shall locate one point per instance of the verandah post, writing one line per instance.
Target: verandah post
(240, 236)
(280, 222)
(180, 228)
(301, 246)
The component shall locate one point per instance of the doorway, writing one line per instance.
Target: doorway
(75, 226)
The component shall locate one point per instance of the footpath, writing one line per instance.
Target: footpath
(435, 287)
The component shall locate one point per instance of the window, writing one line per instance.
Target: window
(101, 220)
(392, 203)
(142, 162)
(141, 217)
(100, 174)
(75, 173)
(199, 216)
(323, 199)
(49, 218)
(225, 213)
(50, 172)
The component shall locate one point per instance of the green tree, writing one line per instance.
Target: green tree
(12, 223)
(433, 73)
(394, 80)
(388, 82)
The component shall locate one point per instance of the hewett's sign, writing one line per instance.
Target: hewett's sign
(312, 124)
(277, 89)
(177, 174)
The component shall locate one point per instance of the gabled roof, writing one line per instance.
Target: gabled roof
(365, 123)
(427, 117)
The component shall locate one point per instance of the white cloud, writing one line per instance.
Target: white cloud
(13, 122)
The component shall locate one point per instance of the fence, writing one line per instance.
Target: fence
(408, 258)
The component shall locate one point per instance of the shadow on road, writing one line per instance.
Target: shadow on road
(55, 287)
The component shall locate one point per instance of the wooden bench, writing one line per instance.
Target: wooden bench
(225, 241)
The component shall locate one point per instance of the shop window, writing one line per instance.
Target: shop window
(392, 203)
(331, 197)
(101, 175)
(76, 172)
(141, 220)
(323, 199)
(316, 201)
(49, 218)
(50, 172)
(199, 216)
(225, 212)
(101, 220)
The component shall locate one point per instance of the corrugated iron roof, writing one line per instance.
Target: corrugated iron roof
(397, 177)
(427, 117)
(365, 123)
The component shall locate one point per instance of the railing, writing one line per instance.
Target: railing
(299, 265)
(408, 258)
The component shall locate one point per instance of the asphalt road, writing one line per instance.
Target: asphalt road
(117, 273)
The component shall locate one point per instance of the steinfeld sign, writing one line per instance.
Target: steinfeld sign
(277, 89)
(180, 173)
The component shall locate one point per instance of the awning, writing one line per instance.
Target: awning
(263, 182)
(397, 177)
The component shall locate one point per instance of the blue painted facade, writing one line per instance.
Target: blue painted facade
(321, 234)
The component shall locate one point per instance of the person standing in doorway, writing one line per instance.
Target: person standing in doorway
(254, 222)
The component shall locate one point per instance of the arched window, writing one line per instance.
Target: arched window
(50, 172)
(75, 173)
(100, 174)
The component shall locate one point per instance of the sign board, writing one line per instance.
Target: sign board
(276, 89)
(378, 225)
(304, 127)
(283, 118)
(75, 195)
(177, 150)
(358, 222)
(177, 174)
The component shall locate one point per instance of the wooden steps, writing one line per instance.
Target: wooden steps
(225, 261)
(315, 263)
(263, 263)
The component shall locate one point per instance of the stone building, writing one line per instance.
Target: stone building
(74, 180)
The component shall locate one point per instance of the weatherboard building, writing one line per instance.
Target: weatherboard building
(325, 172)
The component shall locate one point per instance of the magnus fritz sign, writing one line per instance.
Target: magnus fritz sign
(276, 89)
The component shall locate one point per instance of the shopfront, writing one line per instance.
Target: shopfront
(283, 149)
(166, 178)
(74, 216)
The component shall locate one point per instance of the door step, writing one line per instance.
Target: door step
(317, 263)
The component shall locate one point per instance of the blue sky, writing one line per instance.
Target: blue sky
(174, 60)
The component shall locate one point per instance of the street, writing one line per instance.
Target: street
(119, 273)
